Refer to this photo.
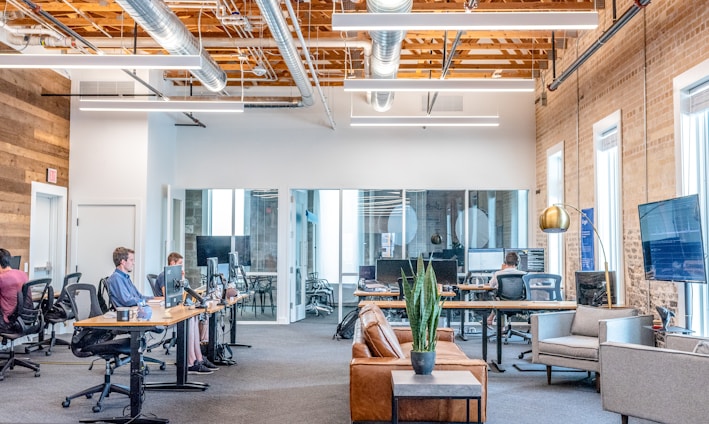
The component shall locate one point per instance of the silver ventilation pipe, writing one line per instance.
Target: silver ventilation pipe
(165, 27)
(386, 50)
(273, 16)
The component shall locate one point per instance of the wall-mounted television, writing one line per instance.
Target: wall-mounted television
(672, 241)
(389, 270)
(485, 260)
(213, 247)
(531, 259)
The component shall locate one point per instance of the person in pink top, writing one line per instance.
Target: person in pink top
(11, 281)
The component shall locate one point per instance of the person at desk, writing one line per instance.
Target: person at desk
(11, 282)
(121, 289)
(198, 363)
(509, 267)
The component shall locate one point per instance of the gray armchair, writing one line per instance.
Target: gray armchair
(572, 338)
(667, 385)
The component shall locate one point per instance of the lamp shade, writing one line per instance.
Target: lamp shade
(554, 219)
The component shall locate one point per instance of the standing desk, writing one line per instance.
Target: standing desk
(160, 318)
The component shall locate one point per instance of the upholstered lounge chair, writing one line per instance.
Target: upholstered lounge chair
(377, 349)
(667, 385)
(572, 338)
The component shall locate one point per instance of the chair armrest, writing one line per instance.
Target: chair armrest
(635, 329)
(551, 324)
(683, 342)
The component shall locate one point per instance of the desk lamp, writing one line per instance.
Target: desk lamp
(555, 219)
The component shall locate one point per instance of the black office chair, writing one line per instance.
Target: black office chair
(27, 320)
(511, 287)
(95, 342)
(541, 286)
(57, 313)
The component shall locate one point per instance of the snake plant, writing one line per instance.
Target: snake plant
(423, 306)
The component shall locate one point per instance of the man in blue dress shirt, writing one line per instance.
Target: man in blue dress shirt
(121, 289)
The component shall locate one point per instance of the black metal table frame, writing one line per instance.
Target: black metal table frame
(395, 405)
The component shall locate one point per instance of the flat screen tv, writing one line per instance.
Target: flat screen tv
(672, 242)
(389, 270)
(531, 259)
(213, 247)
(485, 260)
(242, 245)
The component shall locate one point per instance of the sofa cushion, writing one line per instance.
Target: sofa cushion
(702, 347)
(444, 351)
(378, 335)
(577, 347)
(586, 318)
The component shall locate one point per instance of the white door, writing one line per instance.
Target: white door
(299, 247)
(48, 233)
(98, 230)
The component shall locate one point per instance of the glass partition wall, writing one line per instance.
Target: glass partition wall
(250, 219)
(336, 232)
(349, 229)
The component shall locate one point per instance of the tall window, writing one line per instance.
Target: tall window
(694, 159)
(555, 194)
(608, 213)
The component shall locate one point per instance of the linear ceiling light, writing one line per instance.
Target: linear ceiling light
(423, 121)
(480, 21)
(86, 61)
(215, 106)
(477, 85)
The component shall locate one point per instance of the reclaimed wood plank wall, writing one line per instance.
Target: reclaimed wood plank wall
(34, 136)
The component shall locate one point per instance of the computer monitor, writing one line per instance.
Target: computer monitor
(591, 288)
(15, 262)
(531, 259)
(368, 272)
(389, 270)
(485, 260)
(233, 266)
(213, 278)
(174, 285)
(213, 247)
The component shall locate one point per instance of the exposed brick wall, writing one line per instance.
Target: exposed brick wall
(632, 73)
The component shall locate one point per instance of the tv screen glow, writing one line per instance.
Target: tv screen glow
(672, 242)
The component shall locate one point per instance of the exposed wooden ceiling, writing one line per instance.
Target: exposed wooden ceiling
(236, 36)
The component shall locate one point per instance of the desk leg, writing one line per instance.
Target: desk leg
(498, 364)
(484, 337)
(394, 410)
(232, 329)
(463, 313)
(136, 391)
(181, 384)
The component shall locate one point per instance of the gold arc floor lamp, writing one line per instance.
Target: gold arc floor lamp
(555, 219)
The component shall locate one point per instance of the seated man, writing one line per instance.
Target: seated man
(509, 267)
(198, 363)
(11, 281)
(121, 290)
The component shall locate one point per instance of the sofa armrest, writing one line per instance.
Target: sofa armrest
(637, 330)
(403, 334)
(551, 324)
(657, 384)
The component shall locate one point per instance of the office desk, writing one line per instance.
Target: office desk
(160, 318)
(213, 311)
(485, 305)
(365, 293)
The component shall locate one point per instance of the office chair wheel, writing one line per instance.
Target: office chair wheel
(36, 374)
(521, 355)
(66, 402)
(48, 353)
(89, 396)
(97, 408)
(162, 367)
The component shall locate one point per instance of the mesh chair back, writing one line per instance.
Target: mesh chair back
(511, 287)
(153, 281)
(547, 285)
(84, 300)
(30, 317)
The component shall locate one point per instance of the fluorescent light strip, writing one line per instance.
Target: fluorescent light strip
(86, 61)
(214, 106)
(422, 121)
(480, 21)
(457, 85)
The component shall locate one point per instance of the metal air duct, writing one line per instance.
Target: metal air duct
(386, 50)
(158, 20)
(273, 16)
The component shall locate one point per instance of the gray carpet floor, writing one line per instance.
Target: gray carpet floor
(293, 374)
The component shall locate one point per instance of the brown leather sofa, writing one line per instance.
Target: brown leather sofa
(378, 348)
